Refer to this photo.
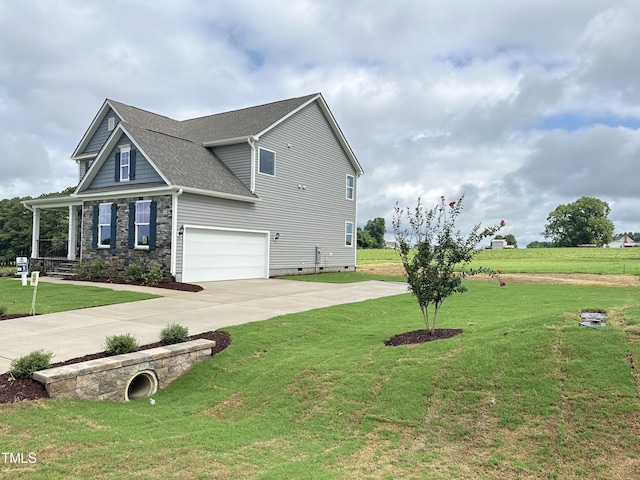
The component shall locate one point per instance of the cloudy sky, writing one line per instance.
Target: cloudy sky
(522, 105)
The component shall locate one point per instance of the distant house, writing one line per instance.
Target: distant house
(251, 193)
(625, 241)
(390, 245)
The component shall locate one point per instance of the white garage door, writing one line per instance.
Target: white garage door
(211, 255)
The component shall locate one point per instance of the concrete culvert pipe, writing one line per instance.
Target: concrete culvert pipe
(142, 384)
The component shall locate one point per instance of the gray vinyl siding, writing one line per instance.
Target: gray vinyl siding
(101, 134)
(145, 173)
(304, 217)
(84, 166)
(238, 159)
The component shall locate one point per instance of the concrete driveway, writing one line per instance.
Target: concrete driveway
(220, 304)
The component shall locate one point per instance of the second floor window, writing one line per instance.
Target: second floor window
(350, 187)
(125, 164)
(267, 162)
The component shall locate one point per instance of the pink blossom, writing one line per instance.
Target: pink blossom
(502, 284)
(451, 204)
(499, 272)
(502, 223)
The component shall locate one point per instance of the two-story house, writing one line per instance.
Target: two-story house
(252, 193)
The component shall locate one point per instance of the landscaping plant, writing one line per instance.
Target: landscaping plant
(119, 344)
(133, 273)
(25, 366)
(435, 256)
(174, 333)
(154, 276)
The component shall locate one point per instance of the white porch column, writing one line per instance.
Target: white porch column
(35, 235)
(73, 241)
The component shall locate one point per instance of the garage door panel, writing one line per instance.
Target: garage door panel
(224, 255)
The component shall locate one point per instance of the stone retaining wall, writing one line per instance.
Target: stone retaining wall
(109, 378)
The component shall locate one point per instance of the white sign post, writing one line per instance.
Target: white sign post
(35, 277)
(22, 265)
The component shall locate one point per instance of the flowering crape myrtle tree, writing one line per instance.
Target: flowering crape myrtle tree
(435, 256)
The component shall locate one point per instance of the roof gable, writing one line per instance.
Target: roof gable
(179, 151)
(241, 123)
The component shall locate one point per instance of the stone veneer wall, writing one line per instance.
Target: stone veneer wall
(117, 259)
(107, 378)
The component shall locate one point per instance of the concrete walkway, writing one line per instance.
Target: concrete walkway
(220, 304)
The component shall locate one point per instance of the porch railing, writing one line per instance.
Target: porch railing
(56, 249)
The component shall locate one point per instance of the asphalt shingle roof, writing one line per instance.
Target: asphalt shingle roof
(186, 163)
(175, 146)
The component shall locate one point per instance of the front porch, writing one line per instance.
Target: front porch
(56, 249)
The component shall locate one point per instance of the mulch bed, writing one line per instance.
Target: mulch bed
(18, 389)
(422, 336)
(183, 287)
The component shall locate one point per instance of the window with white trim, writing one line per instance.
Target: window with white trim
(350, 187)
(125, 163)
(143, 223)
(267, 161)
(104, 225)
(348, 234)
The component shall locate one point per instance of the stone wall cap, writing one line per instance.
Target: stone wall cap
(116, 361)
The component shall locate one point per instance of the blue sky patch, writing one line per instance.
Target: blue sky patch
(572, 122)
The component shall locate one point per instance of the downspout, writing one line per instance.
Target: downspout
(250, 141)
(174, 232)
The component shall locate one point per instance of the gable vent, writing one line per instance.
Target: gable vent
(111, 123)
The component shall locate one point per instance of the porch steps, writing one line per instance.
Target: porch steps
(62, 269)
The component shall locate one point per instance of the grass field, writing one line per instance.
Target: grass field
(53, 297)
(524, 392)
(611, 261)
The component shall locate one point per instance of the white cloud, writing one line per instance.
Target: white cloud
(435, 97)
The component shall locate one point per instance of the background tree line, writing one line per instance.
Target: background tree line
(16, 223)
(585, 221)
(372, 235)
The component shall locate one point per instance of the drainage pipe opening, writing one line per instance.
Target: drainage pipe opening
(142, 384)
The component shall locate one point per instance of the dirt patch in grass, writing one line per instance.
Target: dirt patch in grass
(18, 389)
(546, 278)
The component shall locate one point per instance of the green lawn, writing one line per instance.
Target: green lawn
(524, 392)
(613, 261)
(54, 297)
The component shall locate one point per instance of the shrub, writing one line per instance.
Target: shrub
(82, 270)
(133, 273)
(96, 270)
(26, 365)
(119, 344)
(154, 277)
(174, 333)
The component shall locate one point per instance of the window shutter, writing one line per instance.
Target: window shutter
(117, 170)
(112, 242)
(94, 228)
(132, 225)
(153, 213)
(132, 165)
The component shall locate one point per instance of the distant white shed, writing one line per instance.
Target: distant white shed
(498, 244)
